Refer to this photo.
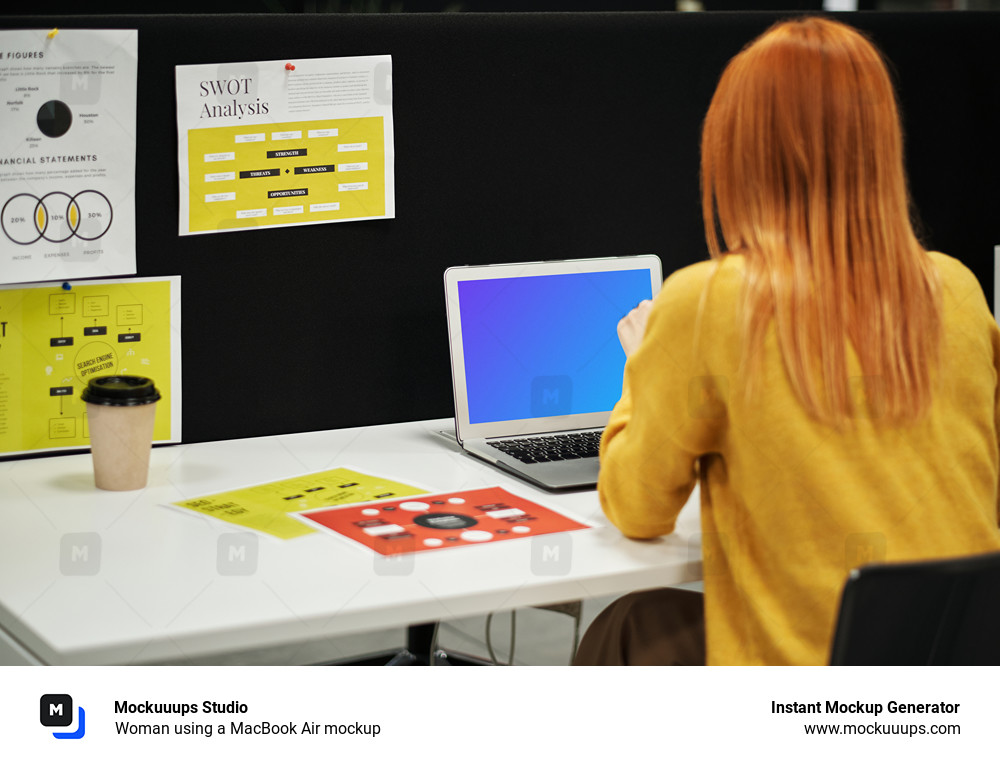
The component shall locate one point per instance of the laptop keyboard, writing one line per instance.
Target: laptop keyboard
(545, 449)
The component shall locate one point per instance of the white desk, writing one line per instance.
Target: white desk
(157, 594)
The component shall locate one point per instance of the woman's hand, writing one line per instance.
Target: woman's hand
(633, 326)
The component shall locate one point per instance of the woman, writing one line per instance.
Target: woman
(831, 384)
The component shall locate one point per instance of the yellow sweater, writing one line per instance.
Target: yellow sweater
(788, 506)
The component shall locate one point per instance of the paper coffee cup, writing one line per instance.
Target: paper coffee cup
(120, 414)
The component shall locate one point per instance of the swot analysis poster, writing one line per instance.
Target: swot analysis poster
(276, 143)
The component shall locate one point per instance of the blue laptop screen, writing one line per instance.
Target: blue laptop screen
(540, 346)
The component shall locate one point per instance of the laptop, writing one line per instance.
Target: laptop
(536, 362)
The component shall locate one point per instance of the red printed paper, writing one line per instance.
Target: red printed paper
(435, 522)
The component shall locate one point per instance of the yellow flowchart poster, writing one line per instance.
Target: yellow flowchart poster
(324, 170)
(271, 143)
(54, 338)
(265, 507)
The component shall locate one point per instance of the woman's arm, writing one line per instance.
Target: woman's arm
(660, 427)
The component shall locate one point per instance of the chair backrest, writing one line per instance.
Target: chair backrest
(940, 612)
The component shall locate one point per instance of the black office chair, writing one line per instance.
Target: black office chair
(940, 612)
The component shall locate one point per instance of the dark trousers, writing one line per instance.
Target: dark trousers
(665, 626)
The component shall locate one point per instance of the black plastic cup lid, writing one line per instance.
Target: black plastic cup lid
(120, 391)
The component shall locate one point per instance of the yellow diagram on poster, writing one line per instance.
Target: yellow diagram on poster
(54, 338)
(262, 144)
(286, 173)
(264, 507)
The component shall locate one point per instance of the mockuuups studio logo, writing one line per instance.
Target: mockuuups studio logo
(56, 710)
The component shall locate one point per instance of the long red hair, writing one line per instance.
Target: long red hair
(802, 173)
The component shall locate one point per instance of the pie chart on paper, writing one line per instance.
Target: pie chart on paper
(54, 119)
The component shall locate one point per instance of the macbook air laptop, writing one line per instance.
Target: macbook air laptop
(536, 363)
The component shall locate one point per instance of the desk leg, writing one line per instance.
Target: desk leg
(419, 645)
(419, 650)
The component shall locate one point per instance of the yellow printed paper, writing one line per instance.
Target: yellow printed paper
(262, 144)
(264, 507)
(53, 340)
(289, 173)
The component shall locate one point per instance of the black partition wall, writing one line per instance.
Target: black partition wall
(517, 137)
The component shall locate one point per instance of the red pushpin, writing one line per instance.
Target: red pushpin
(289, 67)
